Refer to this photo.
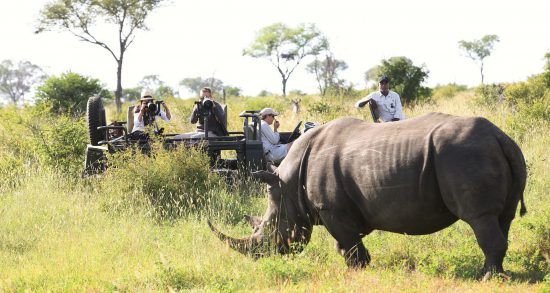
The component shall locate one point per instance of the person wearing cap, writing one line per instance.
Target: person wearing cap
(386, 103)
(215, 125)
(142, 118)
(274, 150)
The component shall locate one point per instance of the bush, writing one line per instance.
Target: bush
(69, 93)
(447, 91)
(60, 142)
(173, 183)
(489, 95)
(527, 92)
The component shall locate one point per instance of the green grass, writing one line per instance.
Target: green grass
(62, 233)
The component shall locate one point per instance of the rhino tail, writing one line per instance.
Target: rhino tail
(515, 159)
(523, 209)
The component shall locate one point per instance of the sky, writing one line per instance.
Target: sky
(206, 38)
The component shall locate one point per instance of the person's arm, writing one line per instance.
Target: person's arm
(140, 116)
(271, 136)
(361, 103)
(194, 115)
(399, 109)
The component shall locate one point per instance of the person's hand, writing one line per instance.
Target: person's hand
(372, 103)
(276, 125)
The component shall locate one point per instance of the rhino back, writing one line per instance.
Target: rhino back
(383, 175)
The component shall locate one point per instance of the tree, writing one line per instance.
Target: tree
(17, 80)
(232, 91)
(195, 84)
(405, 77)
(326, 72)
(478, 50)
(131, 94)
(156, 86)
(79, 17)
(69, 92)
(265, 93)
(285, 47)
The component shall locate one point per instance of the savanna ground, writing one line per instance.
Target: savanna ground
(142, 225)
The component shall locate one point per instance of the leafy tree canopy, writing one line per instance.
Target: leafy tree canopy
(478, 50)
(69, 92)
(79, 17)
(326, 72)
(195, 84)
(285, 47)
(17, 79)
(158, 87)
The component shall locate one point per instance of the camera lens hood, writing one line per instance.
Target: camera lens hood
(208, 104)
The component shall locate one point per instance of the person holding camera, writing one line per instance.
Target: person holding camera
(145, 115)
(206, 111)
(274, 150)
(385, 104)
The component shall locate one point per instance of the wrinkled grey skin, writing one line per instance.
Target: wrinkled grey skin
(415, 176)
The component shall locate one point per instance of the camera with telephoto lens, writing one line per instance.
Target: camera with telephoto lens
(153, 108)
(204, 107)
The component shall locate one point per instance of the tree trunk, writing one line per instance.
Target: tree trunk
(284, 86)
(118, 92)
(481, 72)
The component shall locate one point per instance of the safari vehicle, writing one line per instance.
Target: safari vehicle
(246, 145)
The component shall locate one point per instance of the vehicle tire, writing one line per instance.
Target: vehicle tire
(95, 115)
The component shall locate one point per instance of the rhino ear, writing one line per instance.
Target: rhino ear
(266, 177)
(254, 221)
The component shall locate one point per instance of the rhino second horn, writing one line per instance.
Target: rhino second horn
(243, 245)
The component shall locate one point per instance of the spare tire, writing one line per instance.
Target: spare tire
(95, 114)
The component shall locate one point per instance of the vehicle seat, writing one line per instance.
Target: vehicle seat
(130, 119)
(224, 122)
(249, 132)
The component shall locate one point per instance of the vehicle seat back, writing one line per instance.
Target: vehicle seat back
(130, 119)
(224, 122)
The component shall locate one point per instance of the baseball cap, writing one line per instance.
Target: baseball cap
(383, 78)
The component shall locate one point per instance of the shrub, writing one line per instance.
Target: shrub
(489, 95)
(173, 183)
(447, 91)
(60, 142)
(319, 108)
(527, 92)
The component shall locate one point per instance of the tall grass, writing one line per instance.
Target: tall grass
(141, 225)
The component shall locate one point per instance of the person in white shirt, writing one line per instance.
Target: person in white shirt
(274, 150)
(142, 117)
(387, 103)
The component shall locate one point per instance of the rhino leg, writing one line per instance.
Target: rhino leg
(492, 241)
(348, 239)
(342, 251)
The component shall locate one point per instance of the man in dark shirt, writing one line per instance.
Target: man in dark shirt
(214, 116)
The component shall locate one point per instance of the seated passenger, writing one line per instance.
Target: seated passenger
(144, 118)
(274, 150)
(387, 104)
(215, 118)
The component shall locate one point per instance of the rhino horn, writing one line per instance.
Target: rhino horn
(243, 245)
